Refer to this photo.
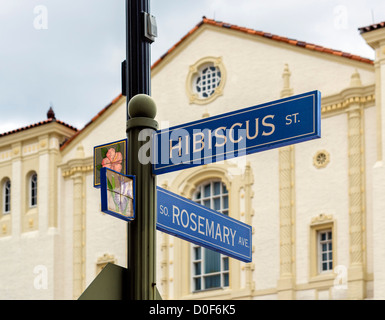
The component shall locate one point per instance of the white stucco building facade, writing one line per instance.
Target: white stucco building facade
(316, 208)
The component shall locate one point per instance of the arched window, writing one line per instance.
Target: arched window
(7, 196)
(33, 190)
(210, 269)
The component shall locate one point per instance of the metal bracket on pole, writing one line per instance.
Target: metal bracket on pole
(124, 78)
(150, 27)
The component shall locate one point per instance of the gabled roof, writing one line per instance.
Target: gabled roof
(372, 27)
(100, 113)
(206, 21)
(49, 120)
(293, 42)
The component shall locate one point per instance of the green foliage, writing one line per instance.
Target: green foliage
(111, 184)
(104, 152)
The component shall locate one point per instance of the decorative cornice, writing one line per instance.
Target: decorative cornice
(341, 102)
(77, 166)
(321, 219)
(106, 258)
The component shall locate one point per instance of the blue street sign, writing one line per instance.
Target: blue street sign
(208, 228)
(266, 126)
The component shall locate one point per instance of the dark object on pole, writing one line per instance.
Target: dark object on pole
(110, 284)
(124, 78)
(138, 54)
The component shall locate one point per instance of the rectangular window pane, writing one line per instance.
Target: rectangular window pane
(324, 266)
(197, 284)
(225, 202)
(217, 204)
(324, 257)
(197, 268)
(213, 281)
(197, 253)
(212, 261)
(226, 280)
(226, 263)
(33, 198)
(207, 191)
(217, 188)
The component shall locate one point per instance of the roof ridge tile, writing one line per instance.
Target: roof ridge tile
(302, 44)
(33, 125)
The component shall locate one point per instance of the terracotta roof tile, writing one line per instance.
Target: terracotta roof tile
(49, 120)
(372, 27)
(100, 113)
(302, 44)
(220, 24)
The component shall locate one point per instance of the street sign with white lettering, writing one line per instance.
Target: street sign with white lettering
(262, 127)
(203, 226)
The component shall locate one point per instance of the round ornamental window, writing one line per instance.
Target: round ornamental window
(208, 79)
(321, 159)
(205, 80)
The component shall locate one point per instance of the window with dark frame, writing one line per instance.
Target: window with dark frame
(33, 190)
(210, 269)
(325, 251)
(7, 196)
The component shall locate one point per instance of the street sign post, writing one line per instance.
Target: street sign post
(141, 237)
(203, 226)
(270, 125)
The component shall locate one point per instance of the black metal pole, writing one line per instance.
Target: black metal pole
(138, 54)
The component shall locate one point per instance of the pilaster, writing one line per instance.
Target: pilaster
(287, 212)
(16, 184)
(286, 282)
(357, 251)
(77, 169)
(44, 179)
(79, 239)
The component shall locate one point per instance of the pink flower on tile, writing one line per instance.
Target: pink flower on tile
(113, 160)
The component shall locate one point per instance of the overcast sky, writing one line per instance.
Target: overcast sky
(72, 58)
